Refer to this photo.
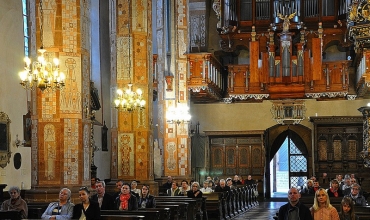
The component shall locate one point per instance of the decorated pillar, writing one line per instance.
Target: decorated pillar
(364, 154)
(61, 119)
(132, 59)
(176, 134)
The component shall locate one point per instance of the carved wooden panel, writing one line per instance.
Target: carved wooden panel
(338, 142)
(322, 145)
(217, 141)
(256, 156)
(244, 155)
(231, 160)
(242, 159)
(217, 155)
(337, 148)
(352, 149)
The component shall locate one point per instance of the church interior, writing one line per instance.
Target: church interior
(146, 89)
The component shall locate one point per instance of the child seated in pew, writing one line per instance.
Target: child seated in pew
(347, 209)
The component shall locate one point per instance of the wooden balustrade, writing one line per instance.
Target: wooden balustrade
(205, 77)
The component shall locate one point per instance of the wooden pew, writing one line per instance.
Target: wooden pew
(35, 210)
(11, 214)
(195, 206)
(148, 214)
(363, 217)
(175, 212)
(164, 213)
(182, 208)
(214, 205)
(127, 217)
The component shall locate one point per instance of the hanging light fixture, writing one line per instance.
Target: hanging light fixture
(129, 100)
(178, 115)
(42, 73)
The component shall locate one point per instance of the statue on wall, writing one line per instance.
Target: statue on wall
(286, 19)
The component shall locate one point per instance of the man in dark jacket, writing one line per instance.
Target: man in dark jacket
(105, 200)
(222, 187)
(294, 210)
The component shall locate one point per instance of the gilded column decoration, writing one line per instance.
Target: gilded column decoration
(50, 150)
(217, 9)
(171, 155)
(126, 154)
(71, 151)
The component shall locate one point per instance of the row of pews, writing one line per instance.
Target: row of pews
(363, 212)
(230, 204)
(222, 205)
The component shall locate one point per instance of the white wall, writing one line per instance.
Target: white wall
(13, 98)
(257, 116)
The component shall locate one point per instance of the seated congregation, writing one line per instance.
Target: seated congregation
(225, 199)
(343, 199)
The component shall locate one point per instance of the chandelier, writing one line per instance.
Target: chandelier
(129, 100)
(42, 73)
(178, 115)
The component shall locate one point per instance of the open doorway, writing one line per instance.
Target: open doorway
(288, 167)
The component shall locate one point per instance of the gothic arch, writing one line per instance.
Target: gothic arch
(275, 136)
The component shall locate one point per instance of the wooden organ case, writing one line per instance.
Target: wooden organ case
(286, 45)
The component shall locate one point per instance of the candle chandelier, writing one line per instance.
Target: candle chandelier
(178, 115)
(41, 73)
(129, 100)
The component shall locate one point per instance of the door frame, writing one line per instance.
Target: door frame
(275, 136)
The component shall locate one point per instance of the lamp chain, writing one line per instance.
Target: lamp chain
(41, 25)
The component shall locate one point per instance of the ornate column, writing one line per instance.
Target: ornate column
(132, 140)
(176, 135)
(60, 120)
(366, 135)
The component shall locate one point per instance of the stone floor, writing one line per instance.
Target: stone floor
(266, 210)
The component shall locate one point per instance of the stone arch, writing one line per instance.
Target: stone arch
(275, 136)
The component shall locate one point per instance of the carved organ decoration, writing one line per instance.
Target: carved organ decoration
(285, 58)
(205, 80)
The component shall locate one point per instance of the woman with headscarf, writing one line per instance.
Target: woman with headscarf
(62, 210)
